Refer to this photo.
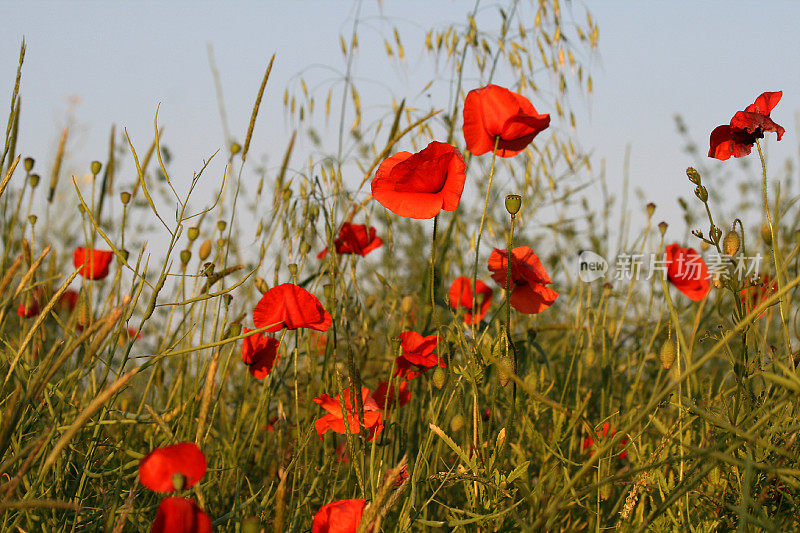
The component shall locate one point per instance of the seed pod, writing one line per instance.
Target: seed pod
(513, 204)
(205, 250)
(650, 208)
(457, 423)
(125, 197)
(34, 180)
(235, 148)
(95, 167)
(292, 269)
(439, 377)
(221, 225)
(193, 233)
(766, 234)
(662, 227)
(32, 219)
(668, 353)
(261, 285)
(27, 163)
(186, 255)
(731, 242)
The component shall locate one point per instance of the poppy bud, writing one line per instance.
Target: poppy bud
(221, 225)
(178, 480)
(668, 353)
(730, 245)
(406, 304)
(34, 180)
(27, 163)
(662, 227)
(32, 220)
(193, 233)
(694, 176)
(261, 285)
(513, 204)
(95, 167)
(766, 234)
(205, 250)
(650, 208)
(439, 377)
(125, 197)
(186, 255)
(235, 148)
(701, 193)
(457, 423)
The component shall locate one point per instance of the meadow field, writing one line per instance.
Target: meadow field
(429, 321)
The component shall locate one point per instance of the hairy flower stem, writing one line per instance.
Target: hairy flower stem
(432, 279)
(480, 232)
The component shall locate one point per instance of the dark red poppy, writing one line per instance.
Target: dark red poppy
(493, 111)
(354, 239)
(28, 309)
(602, 433)
(386, 396)
(334, 420)
(291, 307)
(758, 291)
(94, 262)
(422, 184)
(529, 294)
(417, 356)
(173, 467)
(687, 271)
(259, 353)
(181, 515)
(461, 296)
(737, 138)
(342, 516)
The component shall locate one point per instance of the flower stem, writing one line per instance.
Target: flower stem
(480, 232)
(433, 263)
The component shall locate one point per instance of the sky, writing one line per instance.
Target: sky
(101, 63)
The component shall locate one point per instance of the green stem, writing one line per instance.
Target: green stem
(433, 263)
(480, 232)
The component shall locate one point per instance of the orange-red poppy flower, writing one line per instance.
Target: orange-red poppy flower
(173, 467)
(422, 184)
(758, 291)
(342, 516)
(94, 262)
(687, 271)
(602, 433)
(529, 292)
(354, 239)
(291, 307)
(386, 396)
(180, 515)
(493, 111)
(259, 353)
(461, 296)
(334, 420)
(737, 138)
(417, 356)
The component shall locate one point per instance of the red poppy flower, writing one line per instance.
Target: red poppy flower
(461, 296)
(386, 395)
(259, 353)
(422, 184)
(687, 271)
(183, 463)
(28, 309)
(758, 292)
(68, 300)
(180, 515)
(417, 353)
(493, 111)
(602, 433)
(94, 262)
(529, 294)
(291, 307)
(342, 516)
(737, 138)
(341, 455)
(335, 419)
(354, 239)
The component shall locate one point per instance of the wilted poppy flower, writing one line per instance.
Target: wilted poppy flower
(461, 296)
(687, 271)
(342, 516)
(173, 467)
(387, 393)
(493, 111)
(259, 353)
(529, 293)
(335, 419)
(417, 353)
(602, 433)
(737, 138)
(291, 307)
(758, 292)
(422, 184)
(180, 515)
(354, 239)
(94, 262)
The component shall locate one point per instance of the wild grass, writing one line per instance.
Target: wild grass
(709, 444)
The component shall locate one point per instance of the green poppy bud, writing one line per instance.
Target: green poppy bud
(34, 180)
(731, 243)
(95, 167)
(668, 353)
(186, 255)
(27, 163)
(221, 225)
(439, 377)
(193, 233)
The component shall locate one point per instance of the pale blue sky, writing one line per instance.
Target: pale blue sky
(705, 60)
